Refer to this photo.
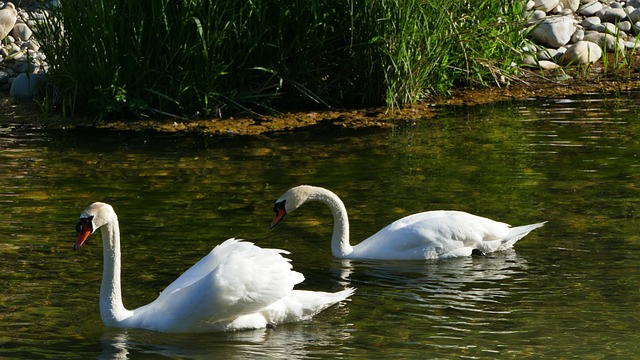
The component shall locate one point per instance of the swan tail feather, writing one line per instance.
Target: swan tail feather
(317, 301)
(303, 305)
(322, 300)
(518, 233)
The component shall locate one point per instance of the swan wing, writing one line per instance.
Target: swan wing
(433, 234)
(203, 267)
(235, 279)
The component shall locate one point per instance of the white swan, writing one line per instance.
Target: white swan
(236, 286)
(427, 235)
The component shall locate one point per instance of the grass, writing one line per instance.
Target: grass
(210, 58)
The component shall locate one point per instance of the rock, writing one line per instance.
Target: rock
(547, 65)
(547, 54)
(530, 5)
(612, 29)
(13, 48)
(577, 36)
(609, 42)
(591, 21)
(632, 45)
(611, 14)
(24, 66)
(32, 44)
(24, 86)
(8, 18)
(553, 31)
(565, 12)
(545, 5)
(624, 26)
(582, 52)
(572, 5)
(4, 77)
(536, 16)
(24, 3)
(590, 9)
(561, 50)
(634, 16)
(21, 31)
(529, 59)
(531, 62)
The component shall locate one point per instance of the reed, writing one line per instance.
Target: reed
(206, 58)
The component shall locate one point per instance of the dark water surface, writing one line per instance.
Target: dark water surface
(569, 290)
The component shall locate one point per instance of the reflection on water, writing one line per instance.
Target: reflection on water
(292, 341)
(455, 297)
(568, 290)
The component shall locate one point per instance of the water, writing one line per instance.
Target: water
(568, 290)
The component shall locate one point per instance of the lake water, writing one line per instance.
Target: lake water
(568, 290)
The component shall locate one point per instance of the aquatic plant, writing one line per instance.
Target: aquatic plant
(206, 58)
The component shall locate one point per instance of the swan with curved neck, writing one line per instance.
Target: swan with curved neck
(426, 235)
(236, 286)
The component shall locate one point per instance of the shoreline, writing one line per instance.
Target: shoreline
(532, 84)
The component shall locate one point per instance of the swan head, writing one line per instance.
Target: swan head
(289, 201)
(92, 218)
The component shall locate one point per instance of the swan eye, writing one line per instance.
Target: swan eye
(84, 222)
(279, 206)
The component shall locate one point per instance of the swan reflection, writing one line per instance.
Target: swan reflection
(290, 341)
(439, 290)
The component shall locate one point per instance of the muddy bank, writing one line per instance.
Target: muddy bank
(531, 84)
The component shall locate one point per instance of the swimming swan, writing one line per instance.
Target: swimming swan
(427, 235)
(236, 286)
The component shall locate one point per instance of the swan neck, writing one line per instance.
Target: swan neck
(112, 309)
(340, 246)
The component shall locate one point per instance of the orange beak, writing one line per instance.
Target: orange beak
(83, 234)
(280, 213)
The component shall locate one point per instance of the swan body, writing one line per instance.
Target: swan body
(238, 285)
(426, 235)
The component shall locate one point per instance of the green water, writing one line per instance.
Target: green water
(568, 290)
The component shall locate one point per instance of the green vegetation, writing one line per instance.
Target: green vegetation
(206, 58)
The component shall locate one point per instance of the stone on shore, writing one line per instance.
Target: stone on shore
(634, 16)
(607, 41)
(590, 9)
(548, 65)
(21, 31)
(25, 85)
(8, 18)
(554, 31)
(572, 5)
(591, 22)
(611, 14)
(545, 5)
(582, 52)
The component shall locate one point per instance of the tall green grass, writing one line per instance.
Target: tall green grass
(206, 58)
